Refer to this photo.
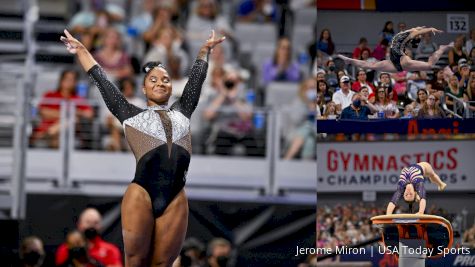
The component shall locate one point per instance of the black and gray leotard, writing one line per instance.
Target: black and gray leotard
(398, 45)
(159, 137)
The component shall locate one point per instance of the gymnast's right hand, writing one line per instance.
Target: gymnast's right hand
(72, 44)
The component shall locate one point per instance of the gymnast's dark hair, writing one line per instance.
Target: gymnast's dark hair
(149, 66)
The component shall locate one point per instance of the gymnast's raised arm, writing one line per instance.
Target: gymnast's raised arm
(115, 101)
(414, 32)
(191, 93)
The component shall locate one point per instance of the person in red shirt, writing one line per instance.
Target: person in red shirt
(50, 109)
(363, 44)
(103, 252)
(361, 81)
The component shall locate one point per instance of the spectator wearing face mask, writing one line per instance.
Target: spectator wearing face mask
(78, 255)
(219, 251)
(303, 111)
(89, 225)
(230, 118)
(359, 109)
(32, 252)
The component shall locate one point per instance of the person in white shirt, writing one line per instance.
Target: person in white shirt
(342, 97)
(470, 43)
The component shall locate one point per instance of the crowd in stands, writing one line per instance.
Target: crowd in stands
(84, 247)
(446, 91)
(124, 37)
(350, 224)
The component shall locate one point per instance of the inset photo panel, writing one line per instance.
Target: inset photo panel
(395, 133)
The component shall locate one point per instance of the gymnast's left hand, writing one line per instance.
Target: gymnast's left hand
(213, 41)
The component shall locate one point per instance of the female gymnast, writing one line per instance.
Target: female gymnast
(398, 60)
(154, 208)
(411, 186)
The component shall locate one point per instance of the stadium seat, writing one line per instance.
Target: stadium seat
(281, 93)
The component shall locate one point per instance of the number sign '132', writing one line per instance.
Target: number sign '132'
(457, 23)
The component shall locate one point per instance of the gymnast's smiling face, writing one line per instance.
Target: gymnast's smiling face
(409, 193)
(157, 86)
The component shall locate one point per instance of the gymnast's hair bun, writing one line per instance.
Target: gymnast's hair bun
(150, 65)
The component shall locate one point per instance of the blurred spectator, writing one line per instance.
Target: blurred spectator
(193, 253)
(116, 140)
(205, 18)
(281, 67)
(362, 44)
(471, 58)
(359, 109)
(426, 46)
(331, 76)
(401, 26)
(49, 109)
(415, 80)
(457, 52)
(161, 18)
(32, 253)
(91, 24)
(380, 50)
(144, 19)
(454, 89)
(383, 104)
(366, 56)
(364, 91)
(330, 112)
(463, 73)
(361, 81)
(438, 84)
(386, 82)
(470, 44)
(408, 112)
(468, 238)
(166, 48)
(322, 87)
(321, 75)
(219, 252)
(388, 31)
(325, 44)
(342, 97)
(321, 104)
(312, 48)
(303, 138)
(231, 118)
(257, 11)
(89, 224)
(400, 85)
(430, 109)
(78, 255)
(470, 94)
(112, 56)
(420, 100)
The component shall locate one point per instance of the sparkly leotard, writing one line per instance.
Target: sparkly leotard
(159, 136)
(398, 44)
(414, 175)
